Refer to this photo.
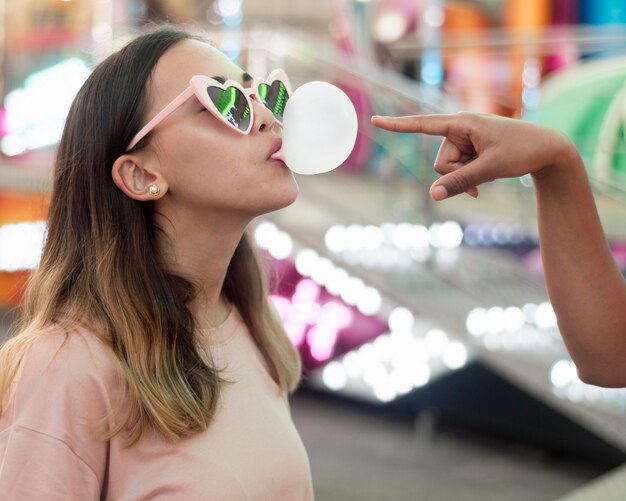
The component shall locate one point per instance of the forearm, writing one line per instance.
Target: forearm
(585, 286)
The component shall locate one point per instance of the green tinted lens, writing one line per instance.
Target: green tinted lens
(232, 105)
(263, 88)
(274, 97)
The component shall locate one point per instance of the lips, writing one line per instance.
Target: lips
(276, 145)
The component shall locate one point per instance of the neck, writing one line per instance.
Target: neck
(202, 254)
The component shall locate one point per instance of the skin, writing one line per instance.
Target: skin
(213, 181)
(584, 283)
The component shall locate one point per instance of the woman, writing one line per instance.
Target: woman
(150, 364)
(586, 287)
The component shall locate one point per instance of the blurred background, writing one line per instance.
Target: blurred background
(434, 368)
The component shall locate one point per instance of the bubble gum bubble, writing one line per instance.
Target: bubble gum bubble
(319, 129)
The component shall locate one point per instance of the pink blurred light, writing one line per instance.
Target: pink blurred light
(321, 340)
(323, 337)
(299, 317)
(282, 305)
(294, 328)
(303, 312)
(3, 122)
(336, 314)
(307, 290)
(295, 331)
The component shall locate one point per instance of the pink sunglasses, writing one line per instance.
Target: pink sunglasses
(228, 101)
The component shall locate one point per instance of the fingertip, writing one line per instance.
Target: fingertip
(438, 193)
(379, 118)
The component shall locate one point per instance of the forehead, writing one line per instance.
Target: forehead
(182, 61)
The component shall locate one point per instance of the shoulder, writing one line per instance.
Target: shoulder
(61, 401)
(79, 355)
(71, 375)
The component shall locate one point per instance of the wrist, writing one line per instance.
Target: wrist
(564, 157)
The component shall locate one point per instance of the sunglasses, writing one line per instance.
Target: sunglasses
(228, 101)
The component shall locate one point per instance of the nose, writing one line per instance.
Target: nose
(264, 119)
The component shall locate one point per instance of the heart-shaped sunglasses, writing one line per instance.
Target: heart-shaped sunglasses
(228, 101)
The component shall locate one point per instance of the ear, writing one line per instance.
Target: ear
(134, 176)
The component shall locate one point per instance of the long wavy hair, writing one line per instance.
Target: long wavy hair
(100, 269)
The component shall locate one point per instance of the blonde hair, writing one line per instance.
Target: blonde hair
(100, 270)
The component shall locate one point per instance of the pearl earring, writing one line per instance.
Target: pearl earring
(154, 190)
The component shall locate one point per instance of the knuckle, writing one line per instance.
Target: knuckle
(466, 116)
(457, 183)
(465, 121)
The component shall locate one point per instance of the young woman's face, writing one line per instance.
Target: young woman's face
(208, 166)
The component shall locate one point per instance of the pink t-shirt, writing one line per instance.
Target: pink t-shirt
(251, 451)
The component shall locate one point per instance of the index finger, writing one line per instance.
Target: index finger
(434, 125)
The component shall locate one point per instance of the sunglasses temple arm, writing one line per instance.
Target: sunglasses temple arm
(170, 108)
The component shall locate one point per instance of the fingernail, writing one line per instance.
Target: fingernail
(439, 192)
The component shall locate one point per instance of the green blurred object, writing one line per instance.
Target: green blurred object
(587, 103)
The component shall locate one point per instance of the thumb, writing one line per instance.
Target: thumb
(459, 181)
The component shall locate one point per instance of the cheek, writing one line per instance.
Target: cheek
(222, 170)
(207, 164)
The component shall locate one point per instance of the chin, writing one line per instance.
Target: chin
(291, 195)
(284, 201)
(274, 195)
(280, 200)
(284, 194)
